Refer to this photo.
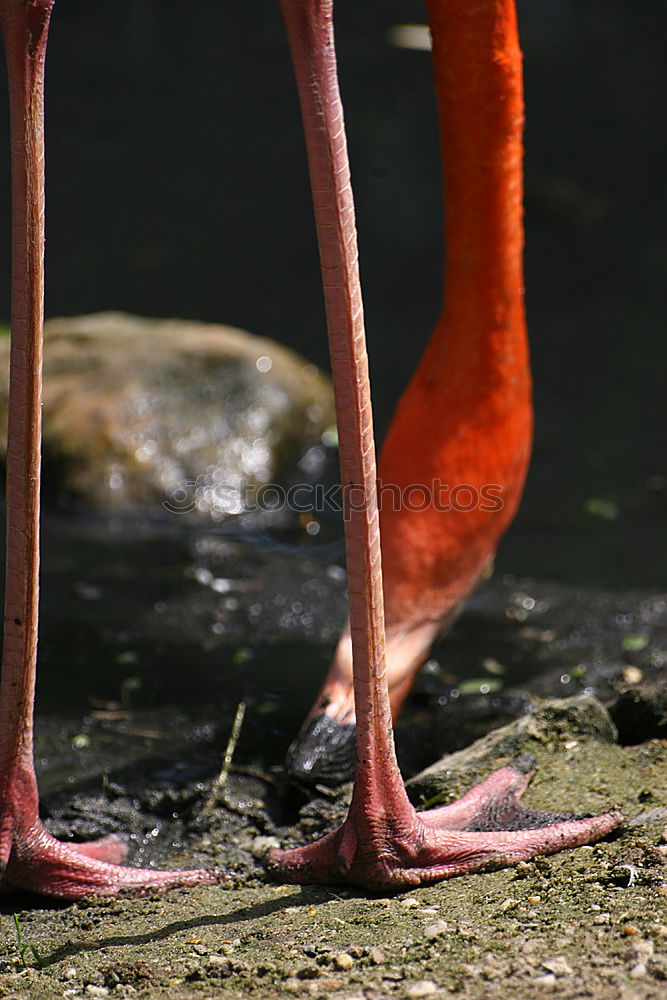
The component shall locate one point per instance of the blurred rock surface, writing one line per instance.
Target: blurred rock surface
(139, 413)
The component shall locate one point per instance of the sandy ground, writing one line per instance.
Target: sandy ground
(590, 922)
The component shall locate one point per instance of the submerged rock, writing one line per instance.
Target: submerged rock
(172, 414)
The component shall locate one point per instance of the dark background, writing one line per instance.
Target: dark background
(176, 186)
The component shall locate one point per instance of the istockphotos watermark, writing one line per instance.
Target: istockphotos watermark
(317, 498)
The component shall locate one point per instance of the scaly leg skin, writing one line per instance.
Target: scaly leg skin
(384, 843)
(487, 828)
(29, 857)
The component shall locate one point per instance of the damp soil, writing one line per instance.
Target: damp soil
(589, 922)
(134, 746)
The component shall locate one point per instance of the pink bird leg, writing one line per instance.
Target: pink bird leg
(29, 857)
(384, 843)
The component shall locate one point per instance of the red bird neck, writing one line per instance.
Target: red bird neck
(478, 80)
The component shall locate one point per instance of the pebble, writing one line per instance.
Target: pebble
(507, 904)
(422, 988)
(557, 965)
(217, 964)
(309, 972)
(549, 980)
(97, 991)
(343, 961)
(376, 956)
(641, 950)
(638, 971)
(432, 931)
(261, 845)
(409, 902)
(529, 946)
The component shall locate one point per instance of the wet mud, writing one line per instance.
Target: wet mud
(134, 747)
(589, 922)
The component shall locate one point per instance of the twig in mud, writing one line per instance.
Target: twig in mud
(217, 791)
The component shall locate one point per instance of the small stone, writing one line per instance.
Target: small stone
(507, 904)
(344, 961)
(630, 930)
(260, 845)
(534, 900)
(422, 988)
(549, 981)
(376, 956)
(432, 931)
(409, 902)
(530, 946)
(557, 965)
(97, 991)
(70, 973)
(643, 948)
(638, 971)
(602, 918)
(309, 972)
(217, 965)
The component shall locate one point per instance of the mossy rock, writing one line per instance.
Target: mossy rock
(556, 725)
